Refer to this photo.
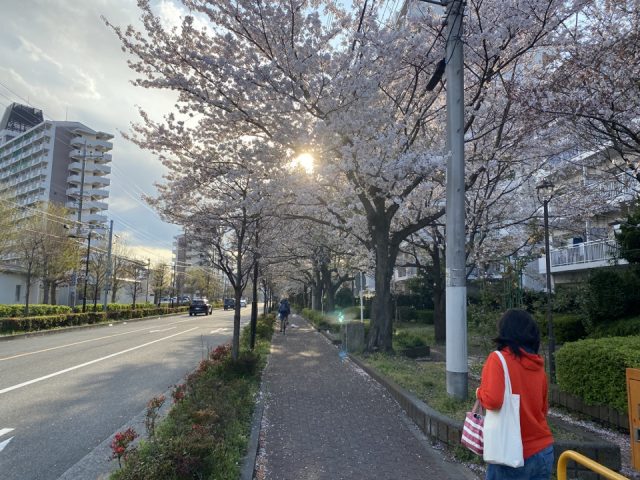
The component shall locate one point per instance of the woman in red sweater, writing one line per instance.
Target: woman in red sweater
(519, 341)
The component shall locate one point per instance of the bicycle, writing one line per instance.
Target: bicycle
(284, 320)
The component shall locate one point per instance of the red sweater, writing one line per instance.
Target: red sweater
(529, 380)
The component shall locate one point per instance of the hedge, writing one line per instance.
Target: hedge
(403, 340)
(595, 369)
(47, 322)
(618, 328)
(35, 310)
(566, 327)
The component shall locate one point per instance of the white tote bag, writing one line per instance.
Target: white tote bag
(502, 438)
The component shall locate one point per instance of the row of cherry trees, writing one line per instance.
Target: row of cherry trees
(259, 83)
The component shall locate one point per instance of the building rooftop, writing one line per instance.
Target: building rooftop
(20, 118)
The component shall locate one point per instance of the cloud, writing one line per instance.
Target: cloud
(60, 57)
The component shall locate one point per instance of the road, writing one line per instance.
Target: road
(63, 394)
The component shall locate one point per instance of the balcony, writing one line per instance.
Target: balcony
(97, 193)
(620, 188)
(583, 256)
(101, 145)
(95, 218)
(95, 180)
(95, 205)
(106, 169)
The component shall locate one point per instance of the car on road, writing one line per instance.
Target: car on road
(200, 305)
(243, 302)
(229, 303)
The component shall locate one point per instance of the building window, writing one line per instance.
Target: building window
(18, 288)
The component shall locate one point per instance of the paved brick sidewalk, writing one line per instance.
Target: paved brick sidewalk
(325, 419)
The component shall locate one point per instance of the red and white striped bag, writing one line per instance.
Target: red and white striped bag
(472, 430)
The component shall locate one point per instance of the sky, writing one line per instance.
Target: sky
(58, 56)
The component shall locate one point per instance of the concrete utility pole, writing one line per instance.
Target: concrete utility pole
(108, 276)
(456, 280)
(456, 283)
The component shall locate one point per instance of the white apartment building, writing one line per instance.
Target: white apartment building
(185, 256)
(45, 161)
(66, 163)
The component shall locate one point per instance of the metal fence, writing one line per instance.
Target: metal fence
(586, 252)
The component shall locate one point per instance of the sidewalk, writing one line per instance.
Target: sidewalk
(325, 419)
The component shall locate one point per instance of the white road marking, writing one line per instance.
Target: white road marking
(220, 330)
(4, 431)
(70, 369)
(163, 330)
(2, 359)
(5, 443)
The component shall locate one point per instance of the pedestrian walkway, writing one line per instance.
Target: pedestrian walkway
(326, 419)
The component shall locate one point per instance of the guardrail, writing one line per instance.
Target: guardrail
(586, 462)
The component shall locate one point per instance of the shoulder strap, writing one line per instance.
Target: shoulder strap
(507, 380)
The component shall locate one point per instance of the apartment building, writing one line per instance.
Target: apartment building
(591, 244)
(46, 161)
(188, 255)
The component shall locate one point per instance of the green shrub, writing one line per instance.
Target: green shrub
(567, 299)
(404, 339)
(623, 327)
(407, 313)
(424, 316)
(566, 327)
(594, 369)
(68, 318)
(344, 298)
(611, 294)
(35, 310)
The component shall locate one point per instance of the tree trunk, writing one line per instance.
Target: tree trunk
(235, 346)
(439, 316)
(54, 296)
(254, 307)
(46, 285)
(328, 290)
(381, 331)
(317, 291)
(28, 291)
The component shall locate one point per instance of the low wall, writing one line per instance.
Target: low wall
(448, 431)
(599, 413)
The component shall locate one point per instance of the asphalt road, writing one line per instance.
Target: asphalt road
(61, 395)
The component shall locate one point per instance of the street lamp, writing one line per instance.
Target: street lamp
(544, 191)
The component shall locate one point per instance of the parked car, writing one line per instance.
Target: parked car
(200, 305)
(243, 302)
(229, 303)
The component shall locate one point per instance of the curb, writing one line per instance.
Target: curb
(249, 461)
(440, 427)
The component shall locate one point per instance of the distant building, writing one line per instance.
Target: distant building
(45, 161)
(187, 254)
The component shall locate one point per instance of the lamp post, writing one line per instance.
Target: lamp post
(545, 191)
(361, 297)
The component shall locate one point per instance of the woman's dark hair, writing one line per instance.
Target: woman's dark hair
(517, 330)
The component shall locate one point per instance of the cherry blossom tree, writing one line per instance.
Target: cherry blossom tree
(335, 81)
(593, 90)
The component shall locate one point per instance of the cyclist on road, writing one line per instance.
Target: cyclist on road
(283, 311)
